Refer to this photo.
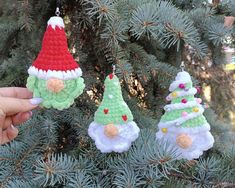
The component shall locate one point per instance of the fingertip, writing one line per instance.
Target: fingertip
(21, 117)
(9, 134)
(13, 128)
(2, 117)
(12, 106)
(27, 115)
(12, 132)
(36, 101)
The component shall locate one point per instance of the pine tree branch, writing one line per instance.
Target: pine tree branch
(18, 164)
(193, 181)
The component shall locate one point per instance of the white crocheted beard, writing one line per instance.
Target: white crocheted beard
(201, 141)
(127, 133)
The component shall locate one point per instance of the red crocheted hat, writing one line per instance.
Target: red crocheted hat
(54, 59)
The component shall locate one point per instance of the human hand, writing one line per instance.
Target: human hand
(15, 108)
(229, 21)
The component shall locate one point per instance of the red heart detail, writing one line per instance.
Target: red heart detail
(111, 76)
(106, 110)
(124, 117)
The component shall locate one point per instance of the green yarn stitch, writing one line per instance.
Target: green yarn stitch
(62, 100)
(195, 122)
(178, 99)
(116, 105)
(175, 114)
(188, 85)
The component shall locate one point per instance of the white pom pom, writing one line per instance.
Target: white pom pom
(56, 21)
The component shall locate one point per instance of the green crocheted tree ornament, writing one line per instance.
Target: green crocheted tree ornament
(113, 128)
(113, 109)
(183, 124)
(55, 76)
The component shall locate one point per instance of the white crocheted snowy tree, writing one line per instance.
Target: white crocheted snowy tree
(183, 124)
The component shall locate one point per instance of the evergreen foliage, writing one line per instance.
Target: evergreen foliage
(146, 41)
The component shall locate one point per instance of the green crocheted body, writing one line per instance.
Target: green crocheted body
(188, 97)
(61, 100)
(198, 121)
(113, 108)
(195, 122)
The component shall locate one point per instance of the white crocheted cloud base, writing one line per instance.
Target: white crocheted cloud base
(127, 134)
(201, 141)
(63, 75)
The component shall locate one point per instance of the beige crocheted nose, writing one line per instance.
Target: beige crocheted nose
(55, 85)
(184, 141)
(111, 130)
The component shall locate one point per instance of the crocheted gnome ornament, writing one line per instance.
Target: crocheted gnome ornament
(113, 128)
(183, 124)
(55, 76)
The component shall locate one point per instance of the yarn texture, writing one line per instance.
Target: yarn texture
(183, 124)
(113, 128)
(61, 100)
(55, 76)
(113, 109)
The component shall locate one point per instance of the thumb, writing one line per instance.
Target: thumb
(12, 106)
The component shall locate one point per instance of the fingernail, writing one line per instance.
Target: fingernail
(30, 113)
(13, 127)
(36, 101)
